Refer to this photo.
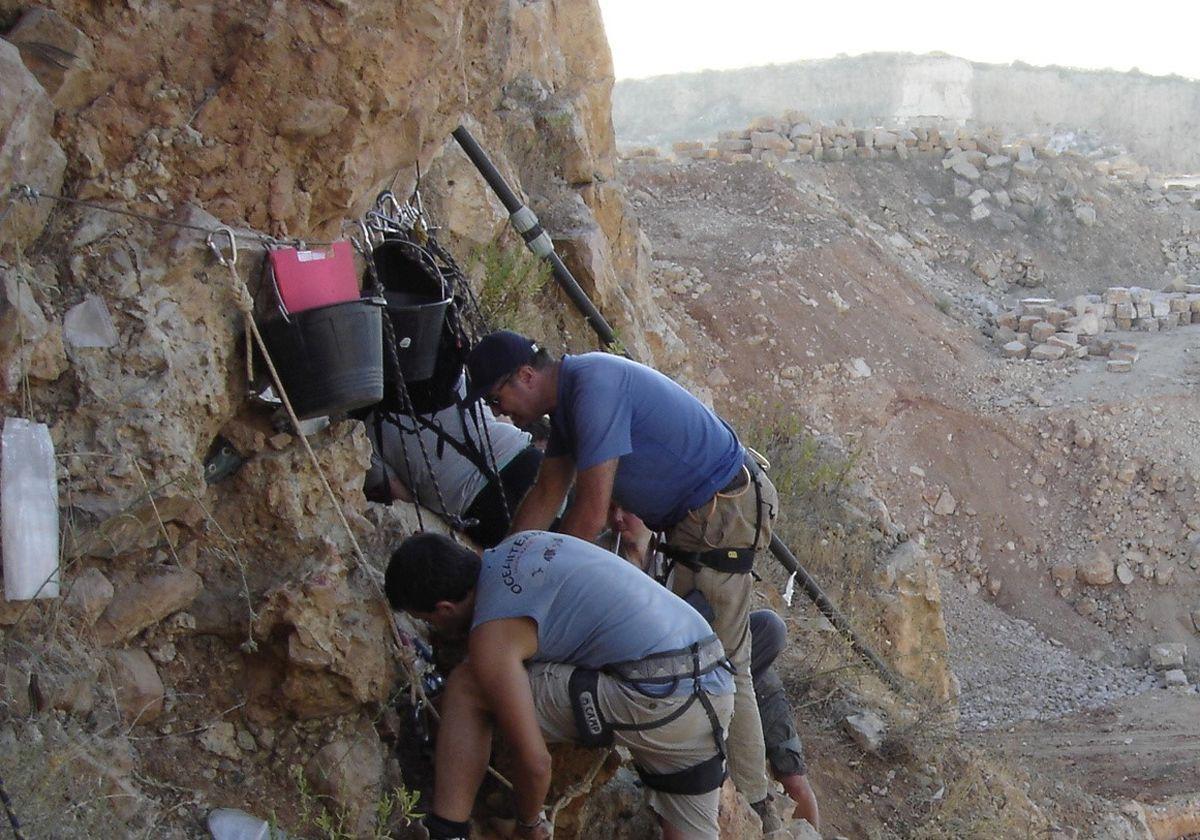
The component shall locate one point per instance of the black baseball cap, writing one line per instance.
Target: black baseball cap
(496, 356)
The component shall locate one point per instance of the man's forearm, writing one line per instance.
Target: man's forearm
(535, 513)
(531, 783)
(583, 522)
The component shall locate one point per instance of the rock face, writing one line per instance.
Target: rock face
(28, 152)
(138, 686)
(279, 119)
(348, 770)
(140, 604)
(336, 646)
(912, 620)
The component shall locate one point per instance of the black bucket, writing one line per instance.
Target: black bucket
(329, 359)
(417, 299)
(417, 322)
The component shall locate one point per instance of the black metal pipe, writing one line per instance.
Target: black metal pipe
(536, 239)
(525, 223)
(815, 594)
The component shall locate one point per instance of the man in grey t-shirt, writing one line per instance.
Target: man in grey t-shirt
(540, 610)
(460, 462)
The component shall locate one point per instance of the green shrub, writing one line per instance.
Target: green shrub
(510, 282)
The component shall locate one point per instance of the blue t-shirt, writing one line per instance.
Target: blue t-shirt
(591, 608)
(674, 452)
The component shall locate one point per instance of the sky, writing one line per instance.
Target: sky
(651, 37)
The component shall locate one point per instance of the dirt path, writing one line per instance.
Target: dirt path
(1145, 747)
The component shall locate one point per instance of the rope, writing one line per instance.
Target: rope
(8, 809)
(245, 303)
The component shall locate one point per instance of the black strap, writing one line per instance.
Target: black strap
(591, 728)
(734, 561)
(698, 779)
(466, 449)
(755, 471)
(709, 774)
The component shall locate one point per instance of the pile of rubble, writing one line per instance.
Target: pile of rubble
(1183, 251)
(1043, 330)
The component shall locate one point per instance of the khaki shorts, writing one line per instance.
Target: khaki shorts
(678, 745)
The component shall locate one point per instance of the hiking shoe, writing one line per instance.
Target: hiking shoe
(772, 825)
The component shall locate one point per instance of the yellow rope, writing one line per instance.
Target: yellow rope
(245, 304)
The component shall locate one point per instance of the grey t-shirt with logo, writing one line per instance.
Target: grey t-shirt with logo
(591, 608)
(457, 475)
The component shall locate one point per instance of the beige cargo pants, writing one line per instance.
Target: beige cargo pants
(728, 521)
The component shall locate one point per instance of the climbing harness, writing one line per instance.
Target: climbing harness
(660, 669)
(728, 560)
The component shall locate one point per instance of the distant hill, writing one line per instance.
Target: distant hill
(1156, 118)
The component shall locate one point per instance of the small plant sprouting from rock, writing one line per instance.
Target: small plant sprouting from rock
(394, 809)
(511, 279)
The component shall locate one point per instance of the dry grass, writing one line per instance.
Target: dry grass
(820, 525)
(980, 799)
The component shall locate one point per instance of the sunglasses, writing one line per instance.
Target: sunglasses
(492, 399)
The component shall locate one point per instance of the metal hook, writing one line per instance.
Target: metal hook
(25, 192)
(211, 241)
(363, 242)
(388, 197)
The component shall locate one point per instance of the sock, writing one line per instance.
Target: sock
(440, 829)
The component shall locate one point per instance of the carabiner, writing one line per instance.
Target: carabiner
(388, 197)
(211, 241)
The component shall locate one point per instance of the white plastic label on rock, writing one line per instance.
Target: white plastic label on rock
(235, 824)
(29, 510)
(89, 324)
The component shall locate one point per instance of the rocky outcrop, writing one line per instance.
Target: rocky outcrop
(280, 119)
(28, 152)
(911, 620)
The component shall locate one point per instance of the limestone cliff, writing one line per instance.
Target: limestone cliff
(281, 119)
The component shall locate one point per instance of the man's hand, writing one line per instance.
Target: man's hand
(540, 505)
(593, 492)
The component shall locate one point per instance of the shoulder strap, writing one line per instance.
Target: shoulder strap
(466, 449)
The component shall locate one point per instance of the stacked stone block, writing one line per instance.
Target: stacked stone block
(1042, 329)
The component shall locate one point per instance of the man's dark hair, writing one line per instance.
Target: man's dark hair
(428, 568)
(542, 359)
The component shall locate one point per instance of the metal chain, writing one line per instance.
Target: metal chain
(406, 404)
(479, 328)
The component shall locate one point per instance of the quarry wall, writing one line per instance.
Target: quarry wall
(1155, 118)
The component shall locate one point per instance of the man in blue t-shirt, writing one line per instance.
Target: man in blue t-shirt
(623, 432)
(544, 613)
